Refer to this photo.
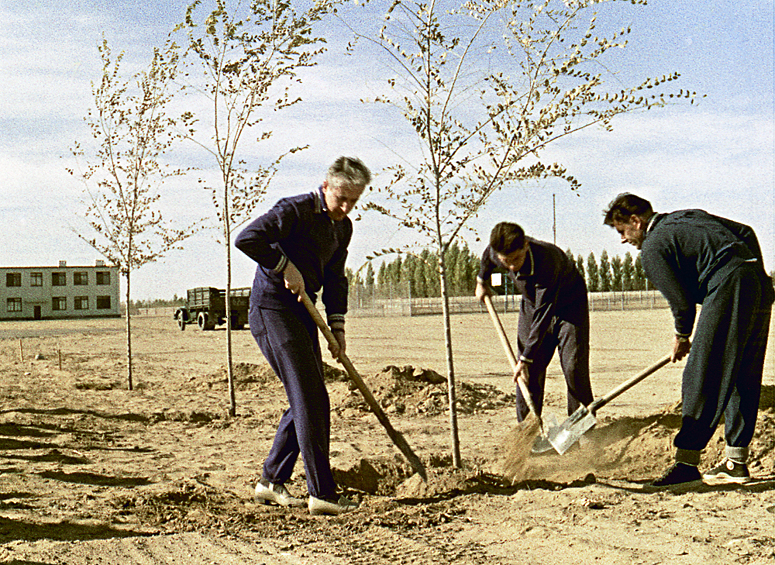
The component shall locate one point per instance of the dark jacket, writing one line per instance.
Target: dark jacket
(550, 285)
(298, 229)
(685, 254)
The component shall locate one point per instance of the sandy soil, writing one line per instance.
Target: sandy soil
(93, 473)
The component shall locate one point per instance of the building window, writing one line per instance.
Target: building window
(58, 279)
(103, 303)
(14, 304)
(59, 303)
(81, 302)
(13, 279)
(36, 279)
(80, 278)
(103, 277)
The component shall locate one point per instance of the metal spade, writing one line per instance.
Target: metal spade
(583, 419)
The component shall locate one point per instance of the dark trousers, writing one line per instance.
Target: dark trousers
(289, 340)
(723, 372)
(569, 335)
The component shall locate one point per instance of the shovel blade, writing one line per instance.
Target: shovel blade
(542, 444)
(569, 432)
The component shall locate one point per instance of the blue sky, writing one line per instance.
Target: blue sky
(716, 155)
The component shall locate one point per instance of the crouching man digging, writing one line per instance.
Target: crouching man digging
(693, 257)
(553, 314)
(300, 246)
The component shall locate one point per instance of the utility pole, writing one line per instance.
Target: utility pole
(554, 219)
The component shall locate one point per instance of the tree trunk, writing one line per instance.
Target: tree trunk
(128, 332)
(229, 356)
(227, 301)
(455, 438)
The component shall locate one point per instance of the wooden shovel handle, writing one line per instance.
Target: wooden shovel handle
(331, 339)
(628, 384)
(395, 436)
(510, 354)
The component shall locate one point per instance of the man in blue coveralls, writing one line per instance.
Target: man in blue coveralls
(553, 313)
(693, 257)
(300, 245)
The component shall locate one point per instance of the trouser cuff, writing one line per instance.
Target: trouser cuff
(687, 456)
(737, 454)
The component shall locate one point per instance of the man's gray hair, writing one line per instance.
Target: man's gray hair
(350, 170)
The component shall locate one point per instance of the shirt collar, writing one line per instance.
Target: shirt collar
(652, 222)
(320, 201)
(520, 274)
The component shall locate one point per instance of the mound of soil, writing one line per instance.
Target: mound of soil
(417, 391)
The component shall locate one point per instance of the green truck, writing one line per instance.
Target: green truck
(206, 307)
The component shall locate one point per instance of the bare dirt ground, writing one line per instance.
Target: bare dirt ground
(93, 473)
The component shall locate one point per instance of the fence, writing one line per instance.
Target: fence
(363, 306)
(598, 301)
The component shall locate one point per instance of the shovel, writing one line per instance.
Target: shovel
(513, 361)
(583, 419)
(397, 438)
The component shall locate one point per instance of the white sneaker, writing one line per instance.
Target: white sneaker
(319, 506)
(271, 493)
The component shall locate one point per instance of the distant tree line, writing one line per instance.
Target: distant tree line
(417, 276)
(158, 303)
(611, 274)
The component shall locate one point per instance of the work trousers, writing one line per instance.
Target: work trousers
(723, 373)
(569, 335)
(289, 341)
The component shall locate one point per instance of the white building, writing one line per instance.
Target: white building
(35, 293)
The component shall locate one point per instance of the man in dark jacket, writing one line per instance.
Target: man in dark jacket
(300, 245)
(693, 257)
(553, 313)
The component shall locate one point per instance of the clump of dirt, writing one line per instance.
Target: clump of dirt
(97, 383)
(374, 476)
(187, 505)
(393, 477)
(416, 391)
(641, 448)
(517, 447)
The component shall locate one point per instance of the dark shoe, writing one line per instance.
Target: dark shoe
(320, 506)
(679, 474)
(728, 471)
(270, 493)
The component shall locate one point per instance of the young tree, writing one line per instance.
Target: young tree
(123, 176)
(249, 57)
(480, 129)
(593, 274)
(604, 272)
